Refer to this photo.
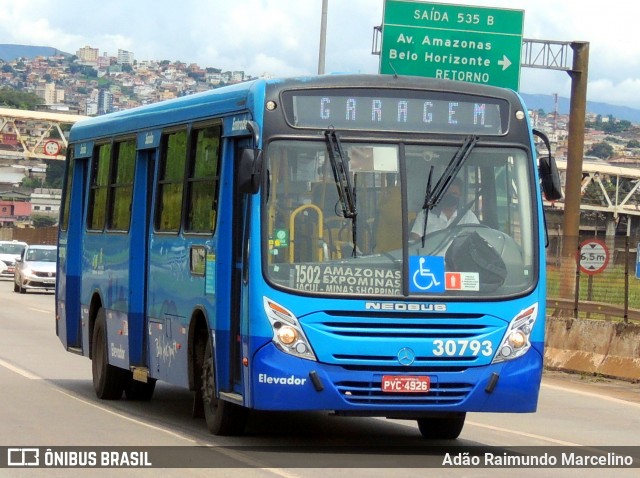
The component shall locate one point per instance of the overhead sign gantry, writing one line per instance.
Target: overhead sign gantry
(455, 42)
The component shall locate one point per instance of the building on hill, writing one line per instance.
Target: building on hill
(15, 209)
(46, 201)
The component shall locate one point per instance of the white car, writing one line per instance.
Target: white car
(36, 269)
(9, 252)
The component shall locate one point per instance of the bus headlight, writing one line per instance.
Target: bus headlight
(287, 331)
(517, 341)
(287, 335)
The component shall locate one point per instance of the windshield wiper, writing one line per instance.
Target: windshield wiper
(346, 193)
(432, 197)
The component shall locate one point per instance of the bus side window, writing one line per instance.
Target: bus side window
(68, 185)
(171, 181)
(121, 186)
(101, 163)
(202, 182)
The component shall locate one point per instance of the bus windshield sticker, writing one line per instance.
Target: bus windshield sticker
(426, 274)
(468, 281)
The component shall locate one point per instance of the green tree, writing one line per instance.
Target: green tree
(32, 183)
(55, 173)
(17, 99)
(40, 220)
(634, 143)
(601, 150)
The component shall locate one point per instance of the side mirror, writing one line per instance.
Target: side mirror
(249, 170)
(548, 170)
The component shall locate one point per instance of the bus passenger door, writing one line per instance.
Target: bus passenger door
(239, 290)
(138, 256)
(231, 291)
(70, 237)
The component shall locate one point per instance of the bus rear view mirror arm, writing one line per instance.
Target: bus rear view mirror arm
(249, 170)
(549, 175)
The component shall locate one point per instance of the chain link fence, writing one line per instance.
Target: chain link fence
(593, 277)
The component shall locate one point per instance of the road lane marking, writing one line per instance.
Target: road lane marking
(124, 417)
(19, 371)
(238, 456)
(619, 401)
(523, 434)
(41, 310)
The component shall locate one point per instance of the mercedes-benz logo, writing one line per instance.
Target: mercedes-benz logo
(406, 356)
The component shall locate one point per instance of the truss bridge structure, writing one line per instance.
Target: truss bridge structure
(34, 134)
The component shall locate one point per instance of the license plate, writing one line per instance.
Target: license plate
(405, 384)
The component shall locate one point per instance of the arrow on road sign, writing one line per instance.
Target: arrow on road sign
(504, 62)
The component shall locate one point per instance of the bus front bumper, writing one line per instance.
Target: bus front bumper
(284, 382)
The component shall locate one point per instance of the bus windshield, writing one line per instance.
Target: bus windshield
(477, 241)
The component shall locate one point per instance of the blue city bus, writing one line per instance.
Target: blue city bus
(272, 245)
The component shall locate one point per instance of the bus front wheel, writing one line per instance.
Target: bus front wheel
(222, 417)
(447, 427)
(108, 381)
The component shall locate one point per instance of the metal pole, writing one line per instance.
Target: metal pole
(578, 110)
(626, 276)
(323, 37)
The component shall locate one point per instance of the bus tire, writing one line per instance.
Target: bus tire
(140, 391)
(447, 427)
(222, 417)
(108, 380)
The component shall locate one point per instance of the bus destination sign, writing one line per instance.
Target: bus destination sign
(417, 112)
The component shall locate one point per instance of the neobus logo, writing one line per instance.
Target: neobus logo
(401, 306)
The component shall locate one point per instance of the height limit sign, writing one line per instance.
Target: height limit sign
(594, 256)
(453, 42)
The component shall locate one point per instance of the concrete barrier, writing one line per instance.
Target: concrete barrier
(611, 349)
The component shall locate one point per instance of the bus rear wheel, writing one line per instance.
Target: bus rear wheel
(108, 381)
(222, 417)
(447, 427)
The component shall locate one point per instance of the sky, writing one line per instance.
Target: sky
(282, 37)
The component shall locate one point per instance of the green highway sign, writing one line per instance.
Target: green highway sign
(455, 42)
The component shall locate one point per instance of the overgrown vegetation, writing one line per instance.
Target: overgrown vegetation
(10, 98)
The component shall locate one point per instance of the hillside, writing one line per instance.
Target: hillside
(546, 103)
(11, 52)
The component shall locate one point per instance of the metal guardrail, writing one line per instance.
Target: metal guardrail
(610, 312)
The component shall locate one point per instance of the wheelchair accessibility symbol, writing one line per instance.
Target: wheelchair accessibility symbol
(426, 273)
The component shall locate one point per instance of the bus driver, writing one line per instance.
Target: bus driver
(445, 214)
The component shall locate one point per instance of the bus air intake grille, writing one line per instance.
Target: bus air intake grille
(405, 330)
(370, 393)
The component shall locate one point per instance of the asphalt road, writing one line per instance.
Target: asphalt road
(47, 400)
